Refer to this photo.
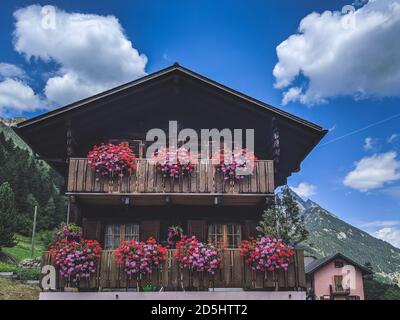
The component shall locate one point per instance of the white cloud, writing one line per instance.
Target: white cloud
(374, 172)
(305, 189)
(92, 52)
(15, 94)
(342, 59)
(18, 96)
(389, 234)
(8, 70)
(368, 143)
(387, 230)
(393, 138)
(381, 223)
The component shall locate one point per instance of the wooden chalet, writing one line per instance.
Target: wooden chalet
(144, 204)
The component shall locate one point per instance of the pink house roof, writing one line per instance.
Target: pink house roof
(317, 264)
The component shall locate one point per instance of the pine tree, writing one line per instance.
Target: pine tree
(283, 220)
(25, 219)
(368, 265)
(47, 220)
(268, 224)
(8, 217)
(33, 183)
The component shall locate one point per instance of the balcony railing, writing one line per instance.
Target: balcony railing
(147, 179)
(339, 290)
(234, 274)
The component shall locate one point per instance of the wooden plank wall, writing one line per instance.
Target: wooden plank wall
(146, 179)
(234, 274)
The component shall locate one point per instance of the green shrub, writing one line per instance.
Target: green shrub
(28, 274)
(8, 267)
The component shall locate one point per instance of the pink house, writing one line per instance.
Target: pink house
(335, 277)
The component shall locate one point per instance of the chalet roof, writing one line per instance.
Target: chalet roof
(174, 67)
(317, 264)
(133, 105)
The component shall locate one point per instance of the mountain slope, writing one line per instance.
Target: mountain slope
(329, 234)
(5, 127)
(33, 182)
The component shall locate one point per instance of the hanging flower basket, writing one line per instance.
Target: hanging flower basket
(173, 163)
(77, 261)
(266, 254)
(113, 161)
(235, 165)
(198, 256)
(140, 258)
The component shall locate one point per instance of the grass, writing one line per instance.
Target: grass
(13, 290)
(8, 267)
(22, 250)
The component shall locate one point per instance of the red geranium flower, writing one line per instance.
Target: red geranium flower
(112, 160)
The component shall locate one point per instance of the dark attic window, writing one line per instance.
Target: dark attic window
(339, 264)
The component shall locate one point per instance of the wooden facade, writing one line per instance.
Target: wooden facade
(235, 274)
(203, 203)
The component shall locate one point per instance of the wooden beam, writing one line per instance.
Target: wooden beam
(276, 149)
(69, 141)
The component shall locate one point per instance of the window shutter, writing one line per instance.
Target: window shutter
(149, 228)
(250, 229)
(92, 230)
(198, 228)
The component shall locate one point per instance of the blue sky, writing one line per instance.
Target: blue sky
(340, 75)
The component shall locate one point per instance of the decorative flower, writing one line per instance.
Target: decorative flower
(266, 254)
(112, 160)
(175, 233)
(198, 256)
(173, 162)
(71, 232)
(230, 163)
(76, 260)
(140, 257)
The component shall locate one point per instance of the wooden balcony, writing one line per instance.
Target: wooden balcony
(147, 186)
(339, 291)
(234, 274)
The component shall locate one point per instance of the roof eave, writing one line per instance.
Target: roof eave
(363, 269)
(159, 73)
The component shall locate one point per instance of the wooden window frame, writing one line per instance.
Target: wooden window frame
(338, 283)
(121, 236)
(215, 236)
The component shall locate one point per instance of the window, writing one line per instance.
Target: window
(229, 234)
(339, 264)
(116, 233)
(131, 232)
(338, 280)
